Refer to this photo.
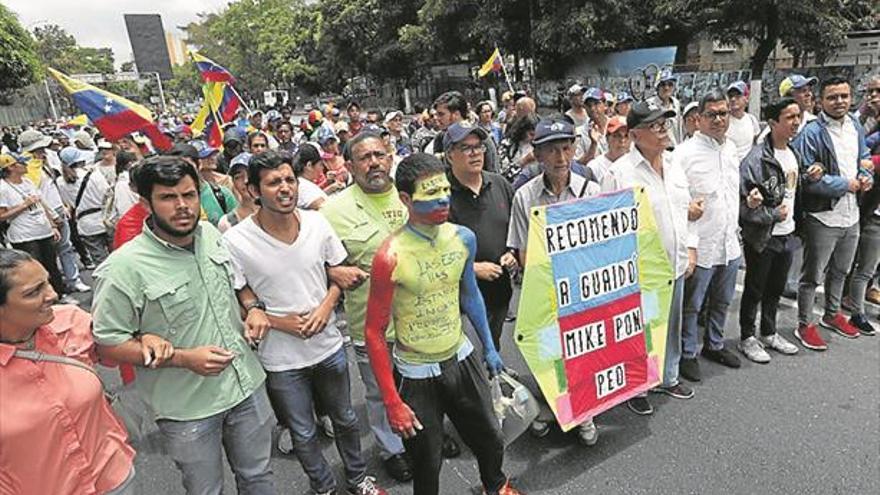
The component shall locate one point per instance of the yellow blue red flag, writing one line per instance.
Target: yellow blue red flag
(113, 115)
(211, 71)
(494, 64)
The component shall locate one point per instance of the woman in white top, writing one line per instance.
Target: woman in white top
(31, 225)
(307, 166)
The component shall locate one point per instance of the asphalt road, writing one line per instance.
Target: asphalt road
(806, 424)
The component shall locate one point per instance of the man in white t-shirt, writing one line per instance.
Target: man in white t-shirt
(86, 194)
(744, 127)
(280, 257)
(768, 228)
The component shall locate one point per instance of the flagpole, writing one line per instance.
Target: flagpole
(504, 68)
(240, 99)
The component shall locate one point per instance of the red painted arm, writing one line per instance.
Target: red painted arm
(400, 417)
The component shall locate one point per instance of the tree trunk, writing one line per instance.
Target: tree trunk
(762, 53)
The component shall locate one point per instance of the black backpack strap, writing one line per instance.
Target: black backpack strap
(82, 189)
(218, 195)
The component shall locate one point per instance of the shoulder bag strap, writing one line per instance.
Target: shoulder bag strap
(82, 189)
(38, 356)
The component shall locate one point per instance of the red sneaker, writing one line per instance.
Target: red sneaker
(508, 490)
(810, 338)
(840, 325)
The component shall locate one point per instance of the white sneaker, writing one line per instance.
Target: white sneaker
(753, 350)
(79, 286)
(68, 299)
(779, 344)
(587, 433)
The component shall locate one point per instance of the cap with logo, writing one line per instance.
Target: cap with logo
(203, 149)
(594, 94)
(460, 130)
(10, 159)
(241, 160)
(666, 75)
(795, 81)
(552, 130)
(643, 113)
(575, 89)
(623, 96)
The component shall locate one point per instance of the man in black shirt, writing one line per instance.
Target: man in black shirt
(481, 201)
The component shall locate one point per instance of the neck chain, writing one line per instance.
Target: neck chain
(431, 240)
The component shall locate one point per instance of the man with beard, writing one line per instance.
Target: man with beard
(290, 305)
(423, 278)
(174, 282)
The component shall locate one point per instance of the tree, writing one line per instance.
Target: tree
(59, 50)
(19, 62)
(803, 26)
(262, 42)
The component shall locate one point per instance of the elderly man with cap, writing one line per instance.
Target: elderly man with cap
(554, 150)
(624, 104)
(617, 136)
(591, 140)
(84, 191)
(665, 99)
(215, 191)
(399, 140)
(801, 89)
(744, 127)
(651, 166)
(482, 201)
(710, 163)
(577, 112)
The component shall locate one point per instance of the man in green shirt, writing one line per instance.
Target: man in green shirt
(172, 286)
(363, 215)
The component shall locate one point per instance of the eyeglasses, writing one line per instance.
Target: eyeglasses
(471, 150)
(716, 115)
(658, 126)
(375, 155)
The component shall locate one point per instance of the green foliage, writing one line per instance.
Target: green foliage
(59, 50)
(19, 63)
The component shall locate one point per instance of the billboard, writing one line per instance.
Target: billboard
(147, 37)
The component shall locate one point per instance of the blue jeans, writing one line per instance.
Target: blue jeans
(291, 394)
(389, 442)
(66, 253)
(673, 335)
(716, 286)
(245, 433)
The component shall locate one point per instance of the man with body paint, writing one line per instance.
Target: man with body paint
(423, 277)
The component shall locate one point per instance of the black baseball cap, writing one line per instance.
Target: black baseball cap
(646, 113)
(460, 130)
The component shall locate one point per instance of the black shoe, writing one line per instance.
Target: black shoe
(640, 406)
(451, 449)
(861, 322)
(789, 294)
(689, 369)
(678, 391)
(722, 356)
(398, 467)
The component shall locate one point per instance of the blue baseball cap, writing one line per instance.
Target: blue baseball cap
(204, 150)
(241, 160)
(666, 75)
(624, 96)
(594, 94)
(460, 130)
(549, 130)
(234, 134)
(795, 81)
(71, 155)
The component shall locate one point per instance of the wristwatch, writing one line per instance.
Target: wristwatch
(256, 303)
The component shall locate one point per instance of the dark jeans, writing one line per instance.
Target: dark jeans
(766, 273)
(462, 393)
(496, 315)
(43, 250)
(292, 399)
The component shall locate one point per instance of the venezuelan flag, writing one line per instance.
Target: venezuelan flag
(113, 115)
(494, 64)
(211, 71)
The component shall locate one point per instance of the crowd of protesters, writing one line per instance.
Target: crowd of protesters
(234, 279)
